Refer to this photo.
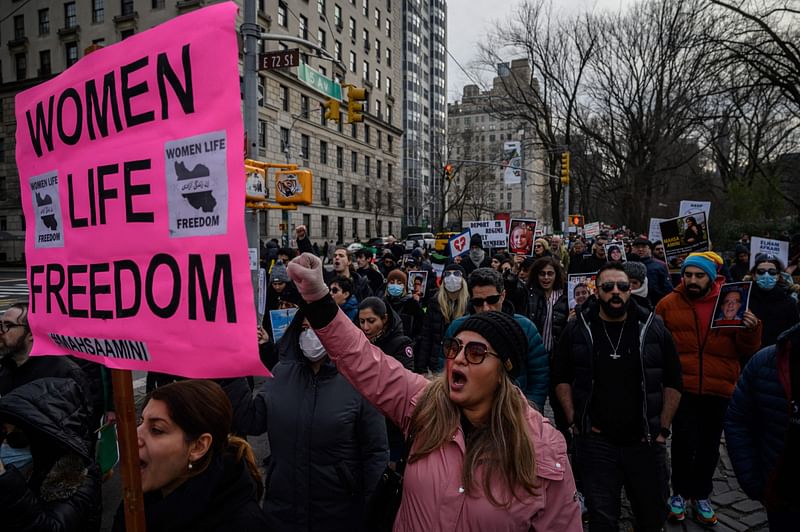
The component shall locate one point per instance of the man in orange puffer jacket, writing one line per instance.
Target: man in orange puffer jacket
(710, 360)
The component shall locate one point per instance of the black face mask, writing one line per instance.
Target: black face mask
(614, 312)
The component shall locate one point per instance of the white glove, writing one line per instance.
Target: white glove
(306, 272)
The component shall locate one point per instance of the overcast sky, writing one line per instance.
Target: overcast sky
(468, 21)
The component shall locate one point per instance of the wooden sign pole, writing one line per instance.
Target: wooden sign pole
(132, 498)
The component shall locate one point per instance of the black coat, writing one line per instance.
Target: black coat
(34, 368)
(410, 312)
(328, 443)
(776, 309)
(429, 346)
(221, 498)
(63, 491)
(590, 264)
(374, 277)
(537, 313)
(361, 287)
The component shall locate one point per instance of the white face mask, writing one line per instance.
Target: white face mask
(452, 283)
(642, 290)
(311, 347)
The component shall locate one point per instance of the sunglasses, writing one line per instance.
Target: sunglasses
(609, 286)
(772, 271)
(547, 274)
(454, 273)
(479, 301)
(474, 352)
(335, 290)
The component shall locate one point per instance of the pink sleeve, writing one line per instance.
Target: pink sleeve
(562, 511)
(382, 380)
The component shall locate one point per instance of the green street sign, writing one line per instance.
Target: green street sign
(318, 82)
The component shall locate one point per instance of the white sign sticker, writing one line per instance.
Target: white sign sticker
(779, 248)
(654, 232)
(493, 232)
(689, 207)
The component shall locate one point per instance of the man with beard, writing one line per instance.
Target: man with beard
(711, 362)
(598, 257)
(17, 367)
(618, 379)
(477, 257)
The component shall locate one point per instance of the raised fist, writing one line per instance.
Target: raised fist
(306, 272)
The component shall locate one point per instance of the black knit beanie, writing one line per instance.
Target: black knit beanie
(504, 335)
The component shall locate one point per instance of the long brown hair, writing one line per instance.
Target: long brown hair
(503, 446)
(199, 407)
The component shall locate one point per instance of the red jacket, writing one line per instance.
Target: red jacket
(710, 358)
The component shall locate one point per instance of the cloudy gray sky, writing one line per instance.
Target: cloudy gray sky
(468, 21)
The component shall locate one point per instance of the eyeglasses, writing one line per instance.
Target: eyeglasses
(609, 286)
(6, 326)
(479, 301)
(772, 271)
(474, 352)
(547, 274)
(454, 273)
(537, 245)
(335, 290)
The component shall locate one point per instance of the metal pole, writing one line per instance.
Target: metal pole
(566, 209)
(524, 178)
(251, 33)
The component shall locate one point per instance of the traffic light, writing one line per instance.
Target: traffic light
(565, 168)
(576, 220)
(448, 172)
(331, 109)
(355, 109)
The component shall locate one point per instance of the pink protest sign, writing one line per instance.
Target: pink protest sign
(133, 192)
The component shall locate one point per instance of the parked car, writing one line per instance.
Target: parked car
(442, 239)
(425, 240)
(379, 242)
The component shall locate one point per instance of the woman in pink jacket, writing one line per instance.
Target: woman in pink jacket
(482, 458)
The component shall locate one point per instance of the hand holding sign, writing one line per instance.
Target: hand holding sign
(306, 272)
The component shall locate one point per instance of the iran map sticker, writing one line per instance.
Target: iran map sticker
(47, 211)
(197, 185)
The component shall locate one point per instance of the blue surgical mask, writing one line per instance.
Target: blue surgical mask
(395, 289)
(766, 281)
(19, 458)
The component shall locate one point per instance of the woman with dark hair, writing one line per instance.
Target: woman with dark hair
(196, 475)
(548, 306)
(327, 444)
(769, 298)
(482, 457)
(693, 233)
(48, 479)
(384, 328)
(406, 305)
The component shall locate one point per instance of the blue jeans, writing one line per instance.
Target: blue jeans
(606, 467)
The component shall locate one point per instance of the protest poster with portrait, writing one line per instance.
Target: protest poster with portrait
(615, 252)
(779, 248)
(732, 301)
(684, 235)
(521, 234)
(579, 287)
(417, 281)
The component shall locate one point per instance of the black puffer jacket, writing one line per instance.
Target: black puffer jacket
(410, 312)
(63, 491)
(429, 347)
(394, 342)
(361, 287)
(537, 313)
(776, 309)
(328, 443)
(221, 498)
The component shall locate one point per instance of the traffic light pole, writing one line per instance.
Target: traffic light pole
(565, 223)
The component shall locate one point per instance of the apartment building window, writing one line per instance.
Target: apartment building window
(353, 161)
(322, 121)
(19, 26)
(365, 73)
(304, 106)
(368, 228)
(353, 132)
(337, 16)
(365, 37)
(307, 220)
(98, 11)
(367, 165)
(389, 28)
(71, 49)
(389, 86)
(323, 152)
(339, 157)
(355, 227)
(321, 7)
(379, 226)
(302, 30)
(159, 4)
(284, 97)
(262, 134)
(378, 114)
(340, 193)
(377, 50)
(4, 190)
(377, 79)
(388, 114)
(367, 134)
(337, 50)
(284, 140)
(21, 66)
(379, 168)
(305, 143)
(367, 199)
(390, 142)
(380, 139)
(391, 231)
(352, 61)
(44, 21)
(70, 15)
(4, 223)
(352, 28)
(389, 169)
(323, 222)
(322, 38)
(388, 57)
(378, 198)
(127, 7)
(282, 19)
(389, 6)
(365, 8)
(124, 34)
(354, 195)
(377, 18)
(45, 68)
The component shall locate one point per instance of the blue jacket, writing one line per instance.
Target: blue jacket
(350, 308)
(758, 416)
(535, 380)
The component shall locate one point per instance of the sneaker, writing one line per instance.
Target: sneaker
(677, 508)
(704, 513)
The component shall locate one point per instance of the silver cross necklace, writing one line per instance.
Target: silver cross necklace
(614, 348)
